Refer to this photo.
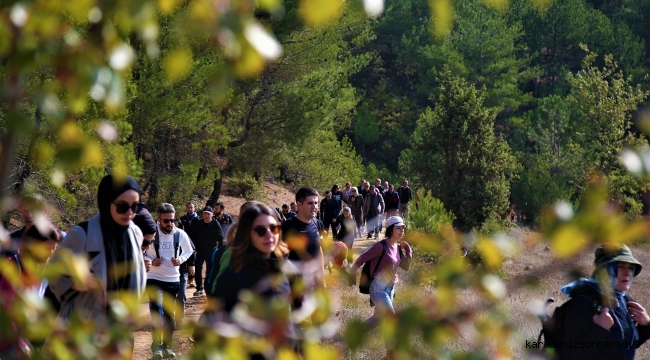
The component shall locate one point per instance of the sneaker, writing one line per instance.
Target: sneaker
(158, 354)
(168, 353)
(369, 236)
(198, 292)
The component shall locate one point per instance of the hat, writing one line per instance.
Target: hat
(394, 220)
(145, 222)
(608, 254)
(346, 209)
(207, 209)
(372, 186)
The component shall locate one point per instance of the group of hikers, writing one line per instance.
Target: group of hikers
(273, 254)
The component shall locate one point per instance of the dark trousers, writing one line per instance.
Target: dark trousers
(201, 257)
(335, 231)
(329, 224)
(181, 298)
(162, 320)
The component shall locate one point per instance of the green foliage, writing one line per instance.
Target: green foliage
(244, 185)
(372, 172)
(602, 101)
(457, 155)
(366, 131)
(429, 215)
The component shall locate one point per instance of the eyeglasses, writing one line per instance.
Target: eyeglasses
(167, 221)
(261, 230)
(122, 207)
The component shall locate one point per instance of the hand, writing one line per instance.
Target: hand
(604, 319)
(404, 245)
(147, 264)
(638, 314)
(156, 262)
(176, 261)
(190, 270)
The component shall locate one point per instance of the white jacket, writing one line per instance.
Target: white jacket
(166, 271)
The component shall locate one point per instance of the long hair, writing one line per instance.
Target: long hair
(241, 246)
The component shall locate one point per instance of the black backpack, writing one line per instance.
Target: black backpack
(177, 243)
(366, 275)
(552, 333)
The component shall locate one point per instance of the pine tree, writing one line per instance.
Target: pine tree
(366, 130)
(457, 156)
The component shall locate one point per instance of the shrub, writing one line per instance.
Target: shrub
(245, 185)
(428, 214)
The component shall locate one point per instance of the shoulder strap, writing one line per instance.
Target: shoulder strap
(156, 243)
(177, 243)
(383, 252)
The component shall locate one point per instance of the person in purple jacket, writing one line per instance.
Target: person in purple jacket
(394, 253)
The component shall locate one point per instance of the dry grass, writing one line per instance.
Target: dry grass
(531, 277)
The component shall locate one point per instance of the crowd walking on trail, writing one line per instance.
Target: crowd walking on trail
(274, 257)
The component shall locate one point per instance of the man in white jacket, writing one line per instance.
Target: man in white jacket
(171, 248)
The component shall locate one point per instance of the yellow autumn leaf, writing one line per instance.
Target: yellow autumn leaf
(178, 64)
(92, 153)
(490, 253)
(315, 351)
(286, 354)
(70, 133)
(268, 5)
(167, 6)
(249, 64)
(445, 298)
(443, 17)
(318, 13)
(79, 9)
(568, 241)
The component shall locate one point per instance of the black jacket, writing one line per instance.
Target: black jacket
(262, 276)
(579, 328)
(329, 209)
(405, 194)
(206, 237)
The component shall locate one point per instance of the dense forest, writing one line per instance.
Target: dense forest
(511, 106)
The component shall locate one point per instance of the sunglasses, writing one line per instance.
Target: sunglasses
(167, 221)
(122, 207)
(261, 230)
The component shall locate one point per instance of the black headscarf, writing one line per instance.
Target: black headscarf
(117, 243)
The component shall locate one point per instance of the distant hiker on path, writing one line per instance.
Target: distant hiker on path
(405, 198)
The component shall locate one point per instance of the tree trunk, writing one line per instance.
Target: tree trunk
(216, 192)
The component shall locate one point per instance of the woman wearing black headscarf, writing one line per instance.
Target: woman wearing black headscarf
(112, 244)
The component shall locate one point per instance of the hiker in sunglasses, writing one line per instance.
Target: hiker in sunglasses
(171, 247)
(256, 263)
(111, 242)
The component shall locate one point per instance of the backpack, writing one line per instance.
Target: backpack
(177, 243)
(366, 275)
(552, 332)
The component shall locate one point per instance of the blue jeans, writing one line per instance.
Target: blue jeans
(181, 297)
(382, 295)
(161, 320)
